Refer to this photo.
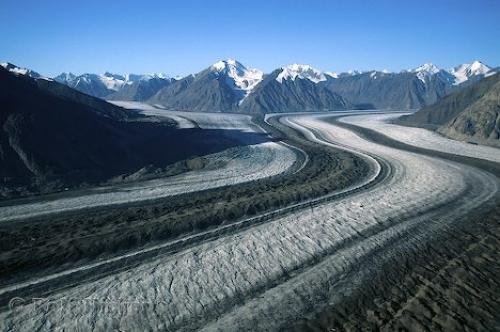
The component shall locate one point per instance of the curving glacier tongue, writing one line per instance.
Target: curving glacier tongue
(263, 276)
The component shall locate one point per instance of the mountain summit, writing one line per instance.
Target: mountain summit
(293, 71)
(425, 71)
(219, 88)
(240, 78)
(466, 71)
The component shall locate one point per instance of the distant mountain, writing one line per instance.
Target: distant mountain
(293, 88)
(241, 79)
(229, 86)
(219, 88)
(470, 114)
(409, 89)
(117, 87)
(140, 89)
(54, 137)
(50, 86)
(381, 90)
(91, 84)
(471, 73)
(296, 71)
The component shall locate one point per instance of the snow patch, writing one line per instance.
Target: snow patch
(302, 72)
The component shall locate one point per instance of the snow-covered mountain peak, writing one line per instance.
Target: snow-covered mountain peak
(66, 76)
(113, 81)
(467, 70)
(425, 71)
(427, 68)
(239, 77)
(332, 74)
(351, 72)
(224, 64)
(162, 76)
(478, 66)
(108, 81)
(130, 78)
(20, 71)
(114, 76)
(295, 70)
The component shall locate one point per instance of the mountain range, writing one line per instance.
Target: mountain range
(116, 87)
(229, 86)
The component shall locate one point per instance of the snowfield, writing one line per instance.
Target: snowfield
(270, 274)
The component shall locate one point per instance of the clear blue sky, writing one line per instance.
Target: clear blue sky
(185, 36)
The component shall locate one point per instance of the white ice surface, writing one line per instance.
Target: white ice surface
(421, 137)
(265, 276)
(182, 122)
(230, 121)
